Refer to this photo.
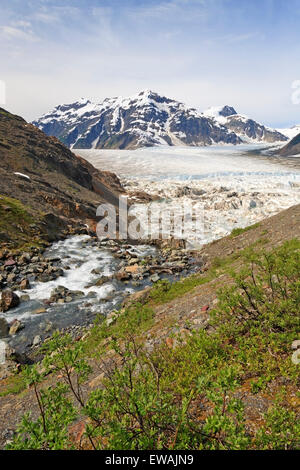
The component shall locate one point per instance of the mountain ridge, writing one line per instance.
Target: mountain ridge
(148, 119)
(145, 119)
(246, 128)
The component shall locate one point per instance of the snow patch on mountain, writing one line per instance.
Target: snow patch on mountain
(291, 132)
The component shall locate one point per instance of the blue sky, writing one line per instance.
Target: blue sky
(244, 53)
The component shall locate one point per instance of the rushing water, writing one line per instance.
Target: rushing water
(86, 262)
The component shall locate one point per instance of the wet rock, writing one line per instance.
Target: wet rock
(122, 275)
(8, 300)
(4, 328)
(154, 278)
(15, 327)
(24, 284)
(24, 298)
(38, 311)
(102, 280)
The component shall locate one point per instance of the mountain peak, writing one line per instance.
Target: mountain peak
(227, 111)
(220, 111)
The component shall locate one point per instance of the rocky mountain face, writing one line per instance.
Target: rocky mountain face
(247, 129)
(43, 181)
(292, 148)
(145, 119)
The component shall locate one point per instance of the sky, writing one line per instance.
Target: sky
(244, 53)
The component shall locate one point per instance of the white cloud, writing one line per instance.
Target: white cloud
(13, 33)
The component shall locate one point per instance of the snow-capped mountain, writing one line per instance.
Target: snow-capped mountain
(142, 120)
(247, 129)
(291, 132)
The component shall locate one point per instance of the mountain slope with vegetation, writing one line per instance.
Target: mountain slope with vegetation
(203, 363)
(45, 184)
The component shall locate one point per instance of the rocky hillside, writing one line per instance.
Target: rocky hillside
(44, 186)
(247, 129)
(228, 344)
(292, 148)
(145, 119)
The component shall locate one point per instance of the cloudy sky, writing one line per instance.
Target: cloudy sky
(244, 53)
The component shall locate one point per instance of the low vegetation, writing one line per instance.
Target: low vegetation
(16, 224)
(238, 231)
(190, 396)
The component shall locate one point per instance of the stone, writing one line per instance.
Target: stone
(154, 278)
(36, 340)
(38, 311)
(10, 262)
(25, 258)
(4, 328)
(24, 284)
(122, 275)
(296, 344)
(15, 327)
(97, 381)
(24, 298)
(102, 280)
(11, 277)
(133, 269)
(204, 308)
(8, 300)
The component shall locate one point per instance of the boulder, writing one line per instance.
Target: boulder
(15, 327)
(36, 340)
(135, 269)
(122, 275)
(10, 262)
(4, 328)
(24, 284)
(8, 300)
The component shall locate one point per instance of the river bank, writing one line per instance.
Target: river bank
(76, 280)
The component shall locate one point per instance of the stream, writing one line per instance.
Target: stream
(83, 261)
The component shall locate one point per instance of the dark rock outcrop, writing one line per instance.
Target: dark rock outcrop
(292, 148)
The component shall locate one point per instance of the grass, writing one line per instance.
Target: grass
(13, 385)
(238, 231)
(15, 221)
